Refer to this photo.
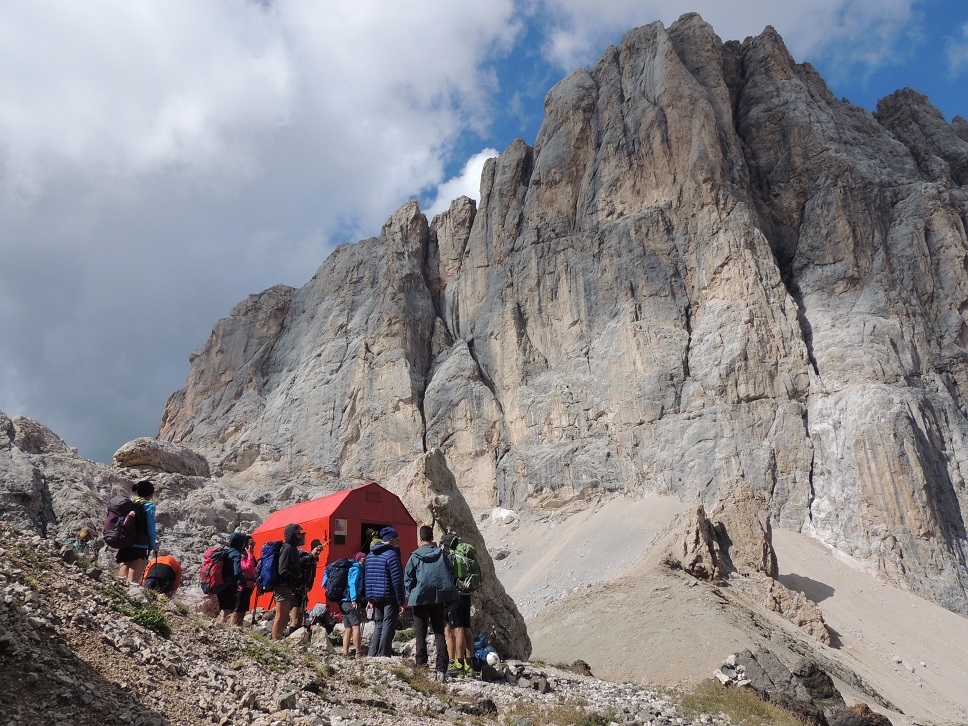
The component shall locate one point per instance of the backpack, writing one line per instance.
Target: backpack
(337, 579)
(120, 530)
(307, 570)
(467, 571)
(267, 571)
(213, 577)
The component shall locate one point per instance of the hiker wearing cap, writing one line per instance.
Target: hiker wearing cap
(288, 590)
(383, 579)
(429, 583)
(133, 559)
(460, 637)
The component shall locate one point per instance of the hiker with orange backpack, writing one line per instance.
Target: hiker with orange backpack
(163, 575)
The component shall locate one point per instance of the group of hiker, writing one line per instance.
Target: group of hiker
(436, 582)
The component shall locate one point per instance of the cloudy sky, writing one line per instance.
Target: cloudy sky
(162, 159)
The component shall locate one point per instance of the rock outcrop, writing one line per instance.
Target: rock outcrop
(161, 456)
(430, 493)
(734, 543)
(706, 267)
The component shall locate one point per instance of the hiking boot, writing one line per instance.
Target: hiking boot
(467, 670)
(455, 670)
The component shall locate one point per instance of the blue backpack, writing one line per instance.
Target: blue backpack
(267, 571)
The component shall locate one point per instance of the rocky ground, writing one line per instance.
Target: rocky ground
(900, 654)
(77, 646)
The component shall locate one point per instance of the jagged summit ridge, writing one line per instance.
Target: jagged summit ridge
(706, 267)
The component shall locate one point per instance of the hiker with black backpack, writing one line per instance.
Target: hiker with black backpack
(233, 580)
(343, 583)
(383, 579)
(429, 583)
(295, 570)
(130, 527)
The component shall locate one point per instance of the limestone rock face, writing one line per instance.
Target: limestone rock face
(429, 491)
(162, 456)
(705, 268)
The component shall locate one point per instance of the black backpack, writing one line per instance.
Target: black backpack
(337, 579)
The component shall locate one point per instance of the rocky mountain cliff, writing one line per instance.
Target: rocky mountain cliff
(706, 267)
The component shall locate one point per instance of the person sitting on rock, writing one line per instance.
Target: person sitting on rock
(429, 583)
(81, 543)
(133, 559)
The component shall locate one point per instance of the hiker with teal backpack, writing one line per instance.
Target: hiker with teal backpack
(467, 577)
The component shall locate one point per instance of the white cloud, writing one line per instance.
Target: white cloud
(467, 183)
(958, 52)
(810, 27)
(160, 160)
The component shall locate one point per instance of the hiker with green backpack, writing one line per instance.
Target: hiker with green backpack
(467, 577)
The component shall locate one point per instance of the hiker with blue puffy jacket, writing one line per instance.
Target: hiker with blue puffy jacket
(383, 578)
(228, 598)
(429, 582)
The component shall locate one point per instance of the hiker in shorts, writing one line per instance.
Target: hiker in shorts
(353, 607)
(460, 638)
(228, 597)
(383, 582)
(133, 559)
(429, 582)
(290, 591)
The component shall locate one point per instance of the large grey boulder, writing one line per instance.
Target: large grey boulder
(161, 456)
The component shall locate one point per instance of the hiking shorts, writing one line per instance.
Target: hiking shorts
(227, 598)
(131, 554)
(244, 599)
(284, 593)
(459, 612)
(352, 616)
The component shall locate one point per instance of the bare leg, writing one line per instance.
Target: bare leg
(451, 636)
(136, 569)
(358, 640)
(279, 624)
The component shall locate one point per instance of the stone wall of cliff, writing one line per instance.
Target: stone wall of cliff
(706, 267)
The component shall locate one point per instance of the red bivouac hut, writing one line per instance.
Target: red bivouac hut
(343, 518)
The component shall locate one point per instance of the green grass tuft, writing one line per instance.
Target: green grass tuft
(741, 705)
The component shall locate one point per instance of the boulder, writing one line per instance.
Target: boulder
(429, 491)
(163, 456)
